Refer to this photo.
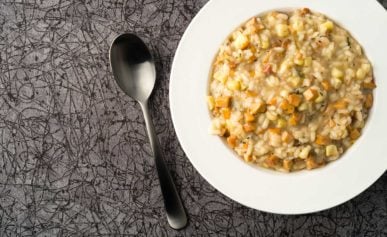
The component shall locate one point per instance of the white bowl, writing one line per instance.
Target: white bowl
(271, 191)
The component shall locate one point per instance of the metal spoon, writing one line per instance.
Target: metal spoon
(134, 71)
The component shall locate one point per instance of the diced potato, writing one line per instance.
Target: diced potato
(272, 101)
(311, 163)
(271, 116)
(326, 85)
(369, 85)
(251, 93)
(226, 113)
(284, 93)
(294, 99)
(287, 137)
(304, 11)
(248, 127)
(305, 152)
(249, 117)
(275, 130)
(355, 134)
(259, 107)
(294, 119)
(248, 158)
(331, 151)
(211, 102)
(369, 101)
(241, 41)
(288, 164)
(282, 30)
(322, 140)
(231, 141)
(337, 73)
(340, 104)
(272, 161)
(331, 123)
(222, 101)
(267, 68)
(310, 94)
(286, 107)
(233, 85)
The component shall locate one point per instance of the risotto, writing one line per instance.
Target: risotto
(290, 91)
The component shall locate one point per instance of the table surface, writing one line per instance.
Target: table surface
(74, 156)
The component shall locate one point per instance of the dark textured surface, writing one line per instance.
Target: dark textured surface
(74, 157)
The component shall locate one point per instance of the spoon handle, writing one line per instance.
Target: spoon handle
(176, 215)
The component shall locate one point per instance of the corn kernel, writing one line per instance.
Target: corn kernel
(294, 81)
(294, 99)
(233, 85)
(360, 74)
(299, 59)
(319, 99)
(282, 30)
(326, 26)
(308, 61)
(281, 123)
(265, 43)
(337, 73)
(222, 73)
(302, 107)
(331, 150)
(366, 67)
(211, 102)
(336, 83)
(298, 25)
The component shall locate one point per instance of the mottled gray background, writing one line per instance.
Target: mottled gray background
(75, 160)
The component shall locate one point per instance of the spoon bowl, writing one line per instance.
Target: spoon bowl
(133, 66)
